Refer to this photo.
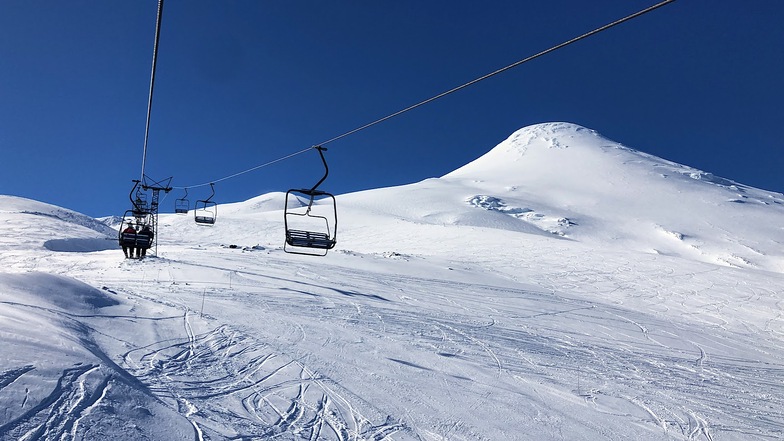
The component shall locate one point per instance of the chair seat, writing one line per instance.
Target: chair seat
(309, 239)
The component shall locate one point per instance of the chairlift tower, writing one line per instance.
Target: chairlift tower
(156, 189)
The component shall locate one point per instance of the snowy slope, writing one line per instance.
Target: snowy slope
(623, 197)
(19, 212)
(563, 179)
(560, 287)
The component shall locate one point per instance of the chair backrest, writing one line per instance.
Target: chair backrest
(143, 240)
(205, 219)
(128, 239)
(136, 240)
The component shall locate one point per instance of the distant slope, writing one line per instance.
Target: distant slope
(31, 224)
(566, 181)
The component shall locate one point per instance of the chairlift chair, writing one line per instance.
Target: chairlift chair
(310, 218)
(135, 240)
(182, 205)
(139, 200)
(140, 207)
(205, 211)
(311, 225)
(141, 215)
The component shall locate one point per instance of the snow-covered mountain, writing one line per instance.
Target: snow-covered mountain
(567, 180)
(561, 286)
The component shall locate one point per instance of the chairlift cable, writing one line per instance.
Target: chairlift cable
(440, 95)
(503, 69)
(248, 170)
(152, 82)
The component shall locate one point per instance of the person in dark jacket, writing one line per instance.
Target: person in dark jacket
(142, 251)
(127, 244)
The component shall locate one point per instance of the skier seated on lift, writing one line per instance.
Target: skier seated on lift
(128, 245)
(145, 231)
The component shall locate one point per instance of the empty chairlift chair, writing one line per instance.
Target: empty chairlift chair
(139, 202)
(311, 218)
(205, 211)
(182, 205)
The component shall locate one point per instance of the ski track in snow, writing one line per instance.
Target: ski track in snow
(241, 384)
(57, 415)
(247, 389)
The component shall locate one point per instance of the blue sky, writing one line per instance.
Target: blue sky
(240, 83)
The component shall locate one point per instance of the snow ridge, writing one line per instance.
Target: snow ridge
(551, 224)
(34, 208)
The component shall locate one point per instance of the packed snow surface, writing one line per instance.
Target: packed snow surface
(560, 287)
